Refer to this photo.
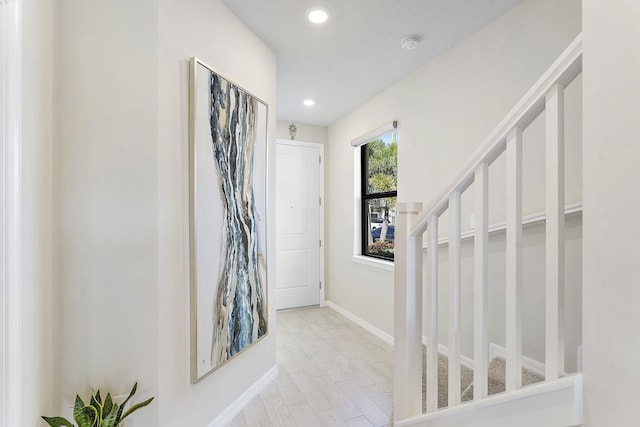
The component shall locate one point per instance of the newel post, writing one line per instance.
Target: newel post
(407, 369)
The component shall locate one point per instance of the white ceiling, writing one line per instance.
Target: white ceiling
(356, 53)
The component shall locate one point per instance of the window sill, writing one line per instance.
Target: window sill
(373, 262)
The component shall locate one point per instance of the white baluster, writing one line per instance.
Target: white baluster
(432, 316)
(554, 121)
(407, 385)
(514, 261)
(454, 299)
(481, 283)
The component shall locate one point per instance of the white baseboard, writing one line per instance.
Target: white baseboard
(444, 350)
(361, 322)
(494, 349)
(534, 366)
(234, 409)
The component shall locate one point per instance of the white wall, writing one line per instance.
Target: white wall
(444, 111)
(205, 29)
(107, 113)
(611, 252)
(40, 300)
(306, 133)
(122, 109)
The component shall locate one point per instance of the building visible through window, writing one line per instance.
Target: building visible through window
(379, 180)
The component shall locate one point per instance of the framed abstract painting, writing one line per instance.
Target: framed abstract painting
(227, 224)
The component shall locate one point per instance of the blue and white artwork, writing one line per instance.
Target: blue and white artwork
(228, 219)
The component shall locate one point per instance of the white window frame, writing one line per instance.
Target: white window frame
(357, 199)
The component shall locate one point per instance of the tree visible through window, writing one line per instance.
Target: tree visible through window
(379, 191)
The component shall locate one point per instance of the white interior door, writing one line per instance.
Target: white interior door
(298, 224)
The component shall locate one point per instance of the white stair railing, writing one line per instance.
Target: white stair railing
(547, 96)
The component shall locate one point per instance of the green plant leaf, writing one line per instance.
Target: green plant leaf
(57, 422)
(98, 398)
(108, 405)
(92, 416)
(78, 408)
(111, 420)
(135, 408)
(131, 393)
(97, 405)
(84, 415)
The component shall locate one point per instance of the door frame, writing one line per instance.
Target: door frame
(320, 146)
(11, 208)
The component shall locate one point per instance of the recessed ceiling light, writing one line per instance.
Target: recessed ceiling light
(309, 102)
(318, 15)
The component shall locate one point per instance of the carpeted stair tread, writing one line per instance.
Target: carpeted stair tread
(466, 378)
(496, 379)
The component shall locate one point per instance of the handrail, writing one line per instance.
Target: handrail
(564, 70)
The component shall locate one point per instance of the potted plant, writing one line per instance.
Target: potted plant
(98, 412)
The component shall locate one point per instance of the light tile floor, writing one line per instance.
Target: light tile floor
(331, 372)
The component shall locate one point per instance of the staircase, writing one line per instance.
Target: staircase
(496, 379)
(433, 390)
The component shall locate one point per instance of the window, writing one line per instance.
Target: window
(379, 185)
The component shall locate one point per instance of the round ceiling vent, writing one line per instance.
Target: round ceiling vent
(409, 42)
